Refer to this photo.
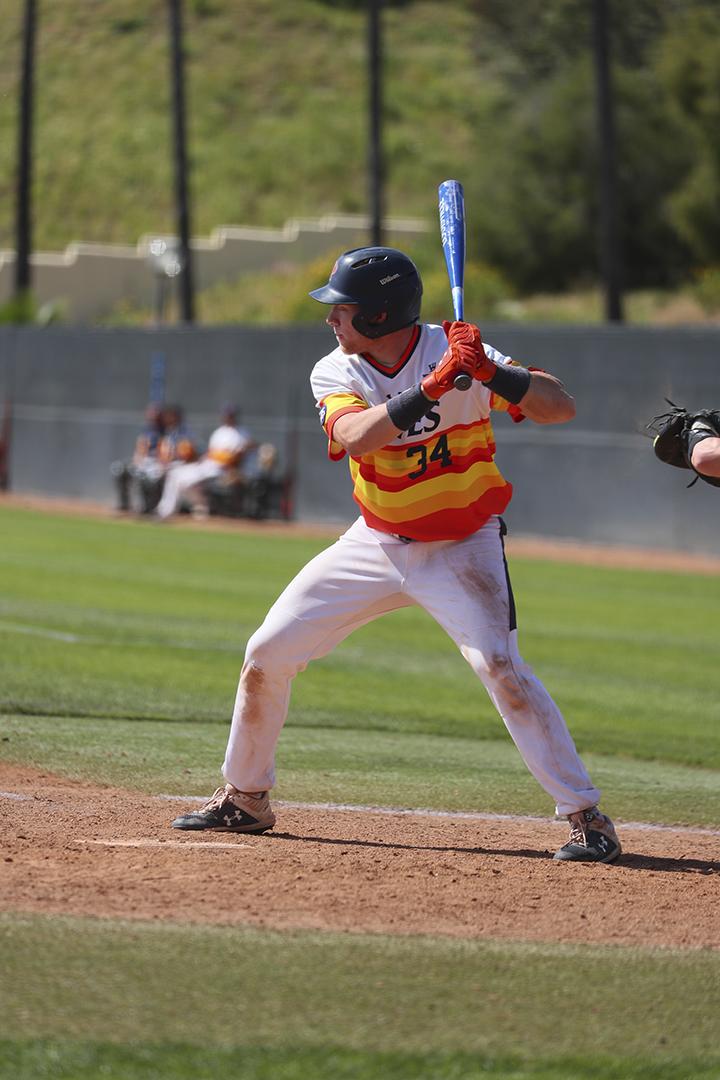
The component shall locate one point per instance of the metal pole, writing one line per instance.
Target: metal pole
(610, 260)
(161, 284)
(5, 443)
(375, 164)
(23, 224)
(182, 198)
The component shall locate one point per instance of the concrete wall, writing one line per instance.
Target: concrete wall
(78, 396)
(86, 281)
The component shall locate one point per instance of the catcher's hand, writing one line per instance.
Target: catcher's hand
(678, 431)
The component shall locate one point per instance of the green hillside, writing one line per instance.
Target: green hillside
(500, 96)
(277, 112)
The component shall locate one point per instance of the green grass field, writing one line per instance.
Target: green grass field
(121, 644)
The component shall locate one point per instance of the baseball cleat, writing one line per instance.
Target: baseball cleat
(230, 810)
(592, 838)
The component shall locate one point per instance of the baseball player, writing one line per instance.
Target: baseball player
(689, 440)
(421, 457)
(705, 455)
(226, 448)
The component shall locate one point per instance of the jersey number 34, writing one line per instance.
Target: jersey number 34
(440, 452)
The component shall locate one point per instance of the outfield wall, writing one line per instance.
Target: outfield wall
(78, 396)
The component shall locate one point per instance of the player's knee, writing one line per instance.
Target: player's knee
(490, 665)
(499, 667)
(269, 654)
(263, 652)
(507, 681)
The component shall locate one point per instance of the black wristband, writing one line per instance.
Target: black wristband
(407, 408)
(699, 434)
(510, 382)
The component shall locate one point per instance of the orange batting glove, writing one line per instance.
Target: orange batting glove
(464, 356)
(465, 339)
(442, 379)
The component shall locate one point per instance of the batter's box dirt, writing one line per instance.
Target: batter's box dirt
(78, 849)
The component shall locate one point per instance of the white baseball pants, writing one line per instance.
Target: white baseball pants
(463, 585)
(185, 481)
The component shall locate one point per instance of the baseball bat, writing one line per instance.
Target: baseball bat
(451, 208)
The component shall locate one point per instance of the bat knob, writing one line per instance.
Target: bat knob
(463, 381)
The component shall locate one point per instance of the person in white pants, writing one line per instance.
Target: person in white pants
(227, 445)
(421, 455)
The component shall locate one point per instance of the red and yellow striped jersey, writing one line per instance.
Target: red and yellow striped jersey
(437, 481)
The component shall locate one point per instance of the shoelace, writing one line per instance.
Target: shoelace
(577, 834)
(579, 827)
(216, 800)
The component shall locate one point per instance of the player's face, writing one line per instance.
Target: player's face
(339, 320)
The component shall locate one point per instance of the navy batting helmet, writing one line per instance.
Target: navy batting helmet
(382, 281)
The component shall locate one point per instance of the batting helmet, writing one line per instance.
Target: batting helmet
(379, 279)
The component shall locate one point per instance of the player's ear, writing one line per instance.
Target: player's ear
(376, 320)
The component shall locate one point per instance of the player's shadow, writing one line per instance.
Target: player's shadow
(628, 860)
(389, 845)
(634, 861)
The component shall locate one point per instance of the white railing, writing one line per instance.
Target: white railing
(87, 280)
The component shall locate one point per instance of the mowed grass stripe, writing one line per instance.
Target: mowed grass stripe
(352, 766)
(66, 1059)
(167, 983)
(625, 653)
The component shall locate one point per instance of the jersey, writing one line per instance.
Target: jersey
(227, 445)
(177, 445)
(436, 481)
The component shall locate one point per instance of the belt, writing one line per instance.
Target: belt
(405, 539)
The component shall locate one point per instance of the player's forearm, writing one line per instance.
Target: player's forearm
(365, 432)
(546, 400)
(706, 457)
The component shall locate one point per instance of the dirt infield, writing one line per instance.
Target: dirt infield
(75, 848)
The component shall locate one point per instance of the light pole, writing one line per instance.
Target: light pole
(23, 224)
(376, 168)
(182, 197)
(610, 262)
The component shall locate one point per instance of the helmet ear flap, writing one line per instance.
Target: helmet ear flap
(370, 326)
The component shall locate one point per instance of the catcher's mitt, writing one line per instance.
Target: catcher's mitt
(678, 431)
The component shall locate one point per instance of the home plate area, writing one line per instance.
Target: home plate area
(74, 848)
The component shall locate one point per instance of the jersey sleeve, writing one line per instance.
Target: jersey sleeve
(334, 397)
(331, 409)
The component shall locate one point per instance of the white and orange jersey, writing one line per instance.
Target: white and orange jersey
(437, 481)
(227, 445)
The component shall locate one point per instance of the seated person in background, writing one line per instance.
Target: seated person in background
(252, 490)
(261, 481)
(177, 445)
(145, 471)
(227, 447)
